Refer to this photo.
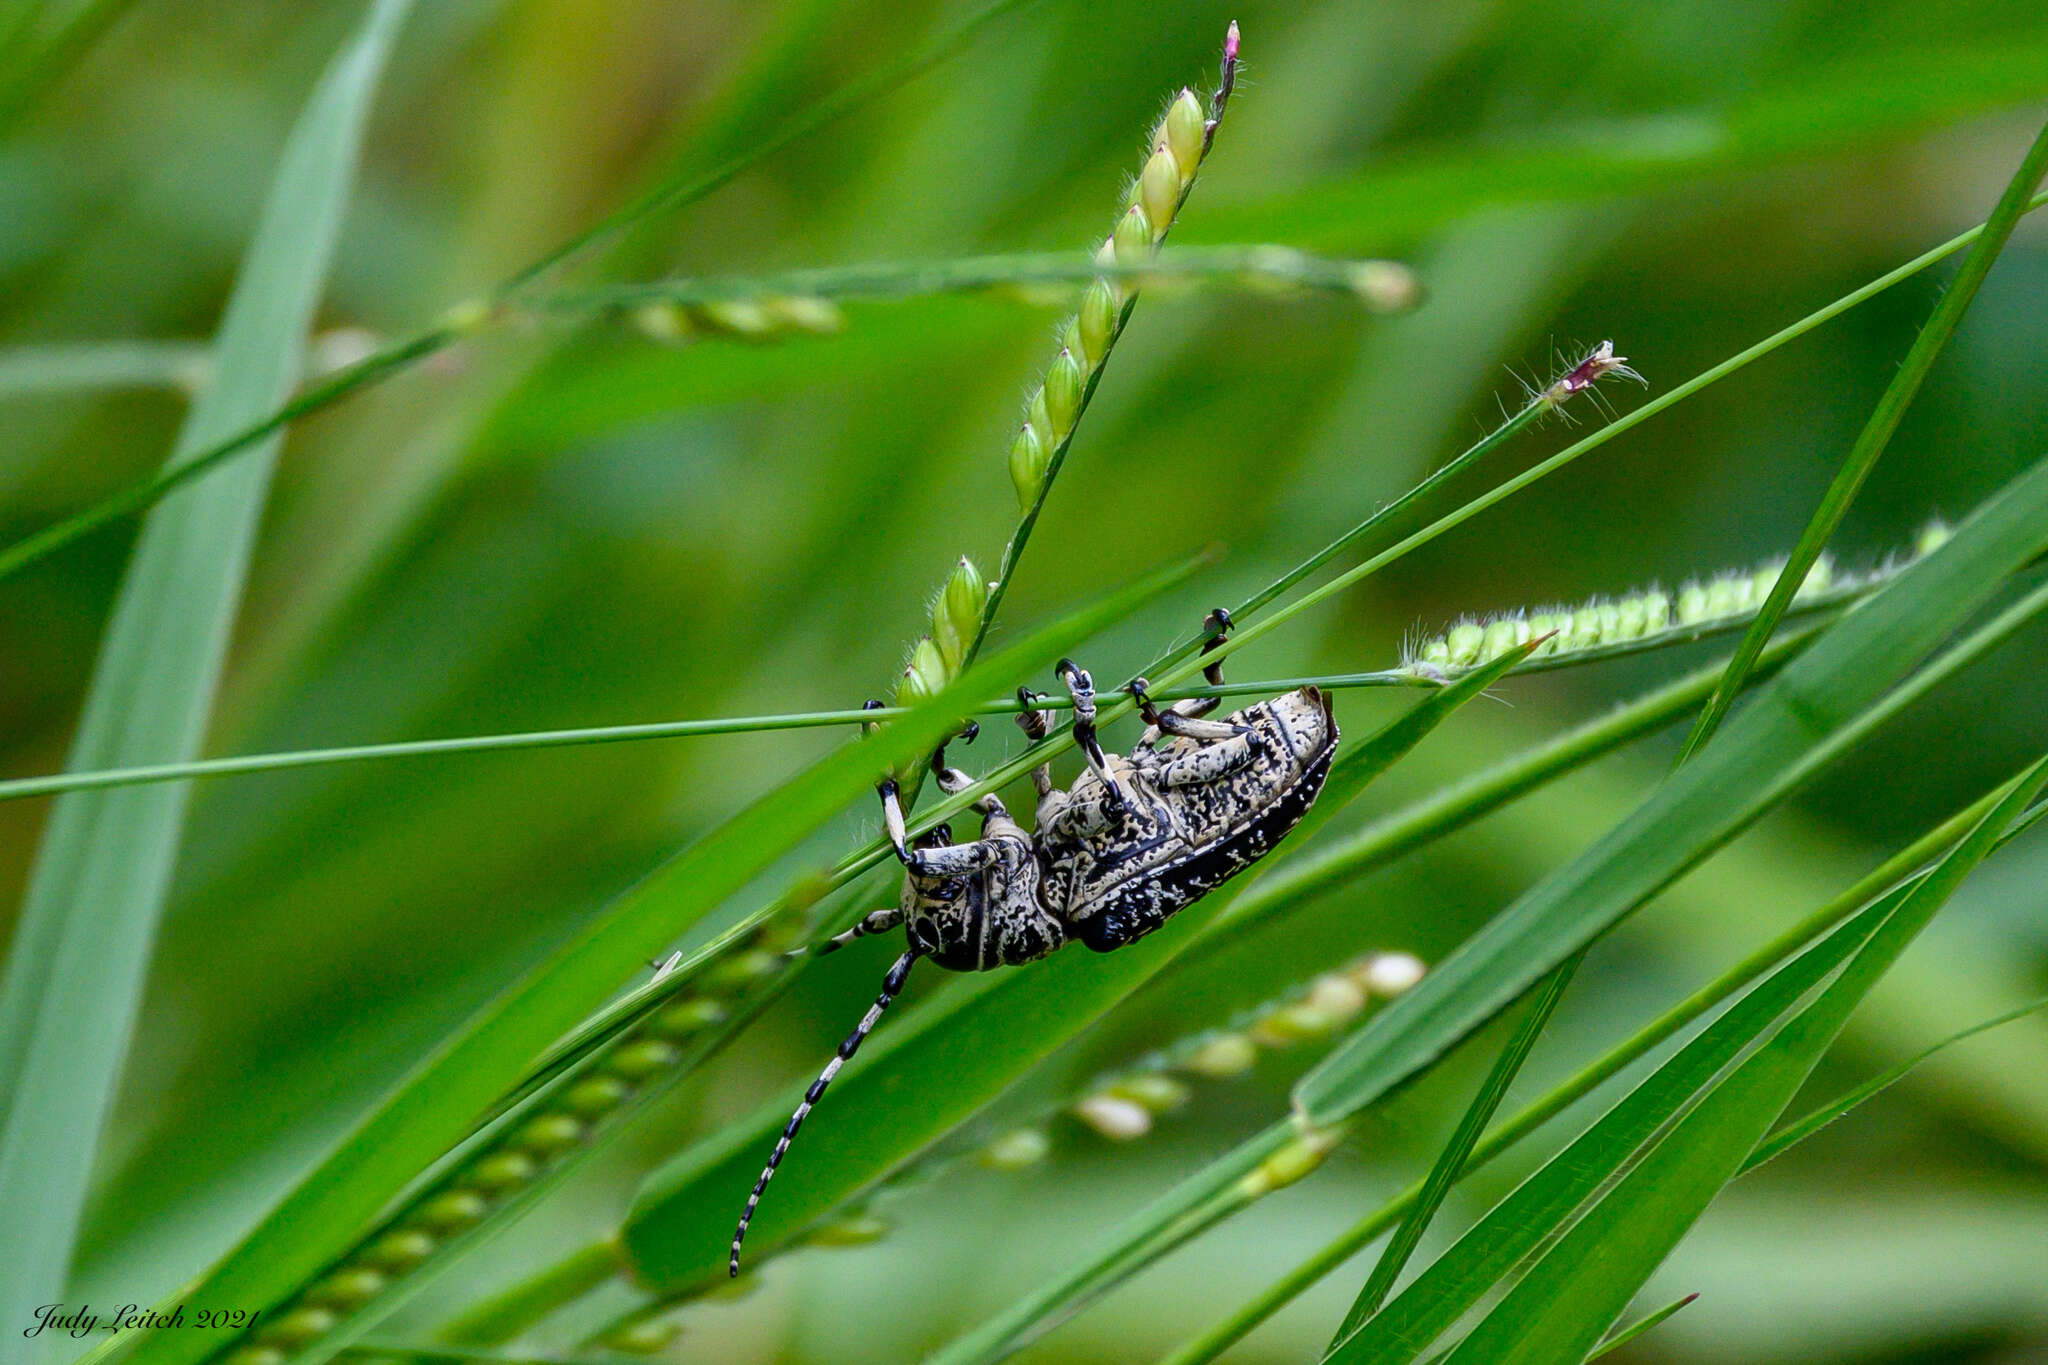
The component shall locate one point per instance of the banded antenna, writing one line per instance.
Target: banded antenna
(891, 985)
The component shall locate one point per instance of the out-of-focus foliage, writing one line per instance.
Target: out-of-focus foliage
(556, 526)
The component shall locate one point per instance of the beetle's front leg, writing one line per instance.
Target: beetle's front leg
(1082, 688)
(1174, 721)
(951, 779)
(1036, 725)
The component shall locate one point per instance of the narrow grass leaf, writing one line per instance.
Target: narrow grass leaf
(1645, 1323)
(74, 976)
(1876, 434)
(1822, 703)
(939, 1064)
(1558, 1311)
(1796, 1132)
(438, 1103)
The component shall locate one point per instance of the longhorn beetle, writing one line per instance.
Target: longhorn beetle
(1135, 839)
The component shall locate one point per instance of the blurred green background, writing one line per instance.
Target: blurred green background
(565, 526)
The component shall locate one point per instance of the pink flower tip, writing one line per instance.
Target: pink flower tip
(1230, 43)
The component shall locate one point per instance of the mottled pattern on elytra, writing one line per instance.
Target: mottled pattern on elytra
(1179, 842)
(1201, 811)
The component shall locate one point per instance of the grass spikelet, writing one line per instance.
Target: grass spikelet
(1178, 144)
(1644, 618)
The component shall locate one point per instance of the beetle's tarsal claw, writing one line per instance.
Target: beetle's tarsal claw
(892, 817)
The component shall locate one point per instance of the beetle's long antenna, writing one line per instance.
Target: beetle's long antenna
(891, 984)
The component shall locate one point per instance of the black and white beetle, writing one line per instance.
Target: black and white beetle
(1135, 839)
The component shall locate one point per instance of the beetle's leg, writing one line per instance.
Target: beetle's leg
(874, 922)
(1175, 721)
(1082, 688)
(1036, 725)
(951, 860)
(951, 779)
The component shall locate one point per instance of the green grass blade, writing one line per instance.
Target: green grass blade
(1796, 1132)
(1521, 1223)
(1558, 1311)
(1645, 1323)
(437, 1104)
(1450, 1162)
(919, 1077)
(1823, 703)
(74, 977)
(1876, 434)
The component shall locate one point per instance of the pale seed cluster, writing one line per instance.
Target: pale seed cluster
(1640, 617)
(1123, 1107)
(1179, 142)
(770, 318)
(938, 658)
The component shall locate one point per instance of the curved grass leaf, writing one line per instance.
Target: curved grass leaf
(1876, 434)
(1559, 1310)
(1799, 1130)
(436, 1106)
(75, 973)
(1822, 704)
(940, 1064)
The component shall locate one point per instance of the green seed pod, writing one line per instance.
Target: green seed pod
(1132, 241)
(1063, 393)
(1500, 637)
(1155, 1093)
(349, 1287)
(643, 1338)
(686, 1017)
(453, 1210)
(1932, 537)
(1119, 1120)
(1464, 641)
(502, 1171)
(1182, 132)
(1224, 1056)
(1096, 322)
(1436, 652)
(1040, 420)
(748, 967)
(398, 1252)
(1159, 191)
(1656, 610)
(663, 322)
(854, 1230)
(298, 1327)
(805, 313)
(923, 676)
(641, 1058)
(1292, 1024)
(965, 594)
(595, 1095)
(1728, 597)
(1336, 997)
(739, 317)
(1545, 623)
(1015, 1150)
(1027, 465)
(1296, 1160)
(550, 1133)
(1692, 604)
